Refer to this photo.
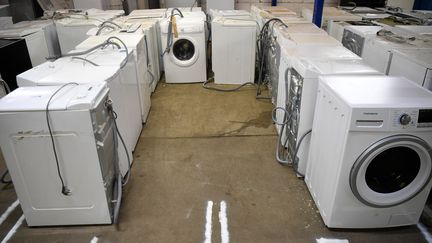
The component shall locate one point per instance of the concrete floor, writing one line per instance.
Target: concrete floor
(201, 146)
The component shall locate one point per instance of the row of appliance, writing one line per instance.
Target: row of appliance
(361, 140)
(85, 110)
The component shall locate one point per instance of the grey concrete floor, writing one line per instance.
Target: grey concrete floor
(200, 146)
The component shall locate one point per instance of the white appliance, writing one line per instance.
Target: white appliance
(219, 4)
(330, 13)
(146, 29)
(233, 50)
(336, 28)
(355, 36)
(370, 155)
(136, 44)
(229, 14)
(301, 98)
(378, 51)
(66, 70)
(415, 65)
(185, 59)
(130, 86)
(83, 134)
(73, 28)
(40, 36)
(287, 38)
(311, 53)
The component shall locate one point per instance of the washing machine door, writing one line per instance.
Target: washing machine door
(391, 171)
(184, 52)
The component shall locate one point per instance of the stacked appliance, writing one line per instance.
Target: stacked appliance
(40, 37)
(184, 49)
(370, 161)
(76, 122)
(336, 29)
(68, 69)
(413, 64)
(355, 36)
(233, 48)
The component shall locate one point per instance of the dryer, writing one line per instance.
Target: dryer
(233, 50)
(83, 134)
(413, 64)
(370, 157)
(67, 70)
(185, 59)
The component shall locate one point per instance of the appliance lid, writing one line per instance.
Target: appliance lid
(71, 97)
(104, 57)
(419, 56)
(130, 40)
(342, 67)
(320, 52)
(378, 91)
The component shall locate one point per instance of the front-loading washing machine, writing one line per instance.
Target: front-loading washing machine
(66, 70)
(185, 58)
(370, 157)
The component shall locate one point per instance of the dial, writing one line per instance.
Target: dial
(405, 119)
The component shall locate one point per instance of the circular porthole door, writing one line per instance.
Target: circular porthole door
(184, 52)
(391, 171)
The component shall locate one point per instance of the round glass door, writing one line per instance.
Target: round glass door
(391, 171)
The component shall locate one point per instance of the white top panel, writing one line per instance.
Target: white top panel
(304, 28)
(419, 56)
(231, 13)
(66, 70)
(320, 52)
(130, 40)
(233, 22)
(378, 91)
(364, 30)
(313, 68)
(301, 39)
(70, 97)
(110, 56)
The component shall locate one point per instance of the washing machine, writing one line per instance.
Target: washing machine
(354, 37)
(336, 28)
(370, 156)
(83, 134)
(233, 50)
(301, 98)
(67, 70)
(414, 64)
(135, 44)
(185, 60)
(312, 53)
(73, 28)
(40, 37)
(378, 51)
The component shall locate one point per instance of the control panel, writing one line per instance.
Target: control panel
(404, 118)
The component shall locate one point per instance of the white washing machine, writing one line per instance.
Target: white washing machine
(301, 98)
(113, 57)
(370, 158)
(73, 29)
(185, 60)
(233, 50)
(312, 53)
(414, 64)
(355, 36)
(136, 44)
(40, 36)
(83, 134)
(378, 51)
(66, 70)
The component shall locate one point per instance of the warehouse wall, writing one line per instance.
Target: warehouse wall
(295, 5)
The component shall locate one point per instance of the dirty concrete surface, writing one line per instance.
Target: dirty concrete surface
(200, 146)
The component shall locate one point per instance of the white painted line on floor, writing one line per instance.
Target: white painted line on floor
(14, 229)
(8, 211)
(208, 226)
(425, 232)
(94, 240)
(223, 220)
(326, 240)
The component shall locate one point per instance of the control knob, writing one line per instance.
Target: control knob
(405, 119)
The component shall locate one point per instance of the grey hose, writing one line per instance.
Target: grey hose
(296, 151)
(5, 85)
(205, 86)
(84, 52)
(119, 197)
(86, 60)
(124, 45)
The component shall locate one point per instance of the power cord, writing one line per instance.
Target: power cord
(65, 190)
